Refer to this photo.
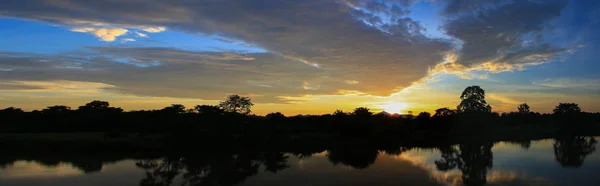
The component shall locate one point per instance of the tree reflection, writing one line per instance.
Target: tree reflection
(359, 158)
(160, 172)
(87, 165)
(474, 160)
(525, 144)
(210, 169)
(571, 151)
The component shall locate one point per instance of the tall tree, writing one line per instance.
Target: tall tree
(236, 103)
(473, 100)
(524, 109)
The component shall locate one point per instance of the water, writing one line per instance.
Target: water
(569, 161)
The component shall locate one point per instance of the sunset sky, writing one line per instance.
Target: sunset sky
(300, 56)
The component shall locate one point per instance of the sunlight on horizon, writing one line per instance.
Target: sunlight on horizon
(395, 107)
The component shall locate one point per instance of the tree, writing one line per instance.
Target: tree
(567, 108)
(57, 109)
(524, 109)
(339, 113)
(473, 100)
(362, 111)
(423, 116)
(275, 115)
(98, 106)
(443, 112)
(95, 105)
(11, 110)
(236, 103)
(174, 109)
(208, 110)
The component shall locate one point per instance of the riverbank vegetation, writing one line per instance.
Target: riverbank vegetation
(230, 125)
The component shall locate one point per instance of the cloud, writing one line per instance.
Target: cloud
(503, 32)
(351, 82)
(139, 34)
(569, 83)
(104, 34)
(308, 86)
(153, 29)
(484, 76)
(125, 40)
(325, 43)
(166, 72)
(450, 65)
(503, 99)
(385, 57)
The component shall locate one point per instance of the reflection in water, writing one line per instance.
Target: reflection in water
(87, 165)
(159, 172)
(210, 169)
(358, 158)
(468, 164)
(571, 151)
(525, 144)
(474, 161)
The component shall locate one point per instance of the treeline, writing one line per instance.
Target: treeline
(232, 119)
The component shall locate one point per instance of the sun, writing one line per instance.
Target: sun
(395, 107)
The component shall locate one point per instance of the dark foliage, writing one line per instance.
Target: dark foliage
(473, 100)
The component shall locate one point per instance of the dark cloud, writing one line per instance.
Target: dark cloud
(319, 43)
(173, 73)
(499, 32)
(318, 32)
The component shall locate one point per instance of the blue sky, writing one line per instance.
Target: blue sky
(295, 57)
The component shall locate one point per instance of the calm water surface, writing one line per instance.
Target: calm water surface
(568, 161)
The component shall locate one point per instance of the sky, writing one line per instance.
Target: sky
(300, 57)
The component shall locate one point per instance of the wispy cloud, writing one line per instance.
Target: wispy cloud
(139, 34)
(104, 34)
(579, 83)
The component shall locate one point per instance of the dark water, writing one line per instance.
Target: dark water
(566, 161)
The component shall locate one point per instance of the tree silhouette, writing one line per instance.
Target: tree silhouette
(571, 151)
(358, 158)
(238, 104)
(174, 109)
(423, 116)
(11, 110)
(339, 113)
(208, 110)
(95, 105)
(57, 109)
(524, 109)
(474, 161)
(275, 115)
(98, 106)
(567, 108)
(473, 100)
(362, 111)
(443, 112)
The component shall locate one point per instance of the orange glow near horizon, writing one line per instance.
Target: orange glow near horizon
(395, 107)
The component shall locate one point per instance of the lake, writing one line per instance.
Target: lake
(563, 161)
